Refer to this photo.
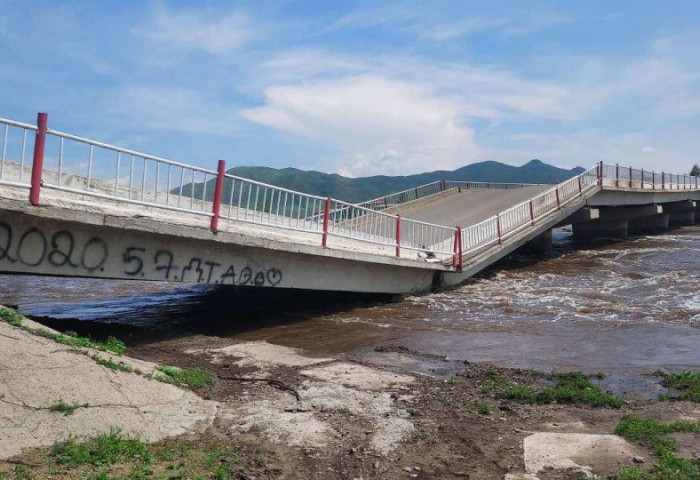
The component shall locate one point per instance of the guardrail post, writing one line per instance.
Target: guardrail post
(532, 213)
(326, 213)
(600, 173)
(498, 227)
(653, 180)
(556, 190)
(630, 177)
(617, 175)
(642, 180)
(457, 257)
(218, 193)
(580, 190)
(38, 161)
(398, 235)
(663, 180)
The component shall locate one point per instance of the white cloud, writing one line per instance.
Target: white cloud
(172, 109)
(379, 125)
(210, 31)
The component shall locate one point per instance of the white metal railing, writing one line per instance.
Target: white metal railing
(415, 193)
(15, 169)
(87, 167)
(466, 185)
(78, 165)
(628, 177)
(404, 196)
(499, 227)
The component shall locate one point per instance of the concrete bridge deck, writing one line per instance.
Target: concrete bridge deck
(130, 215)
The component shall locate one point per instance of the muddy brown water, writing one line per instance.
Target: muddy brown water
(630, 307)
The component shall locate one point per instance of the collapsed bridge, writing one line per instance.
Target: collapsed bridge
(83, 208)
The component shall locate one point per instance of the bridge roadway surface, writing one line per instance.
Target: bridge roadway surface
(466, 208)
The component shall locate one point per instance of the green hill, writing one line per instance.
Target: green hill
(366, 188)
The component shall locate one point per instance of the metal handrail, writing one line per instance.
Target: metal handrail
(149, 182)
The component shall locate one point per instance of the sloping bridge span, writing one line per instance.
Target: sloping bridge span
(107, 212)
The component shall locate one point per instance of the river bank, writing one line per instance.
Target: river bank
(285, 413)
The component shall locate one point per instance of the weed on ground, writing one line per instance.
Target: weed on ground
(656, 435)
(566, 388)
(191, 377)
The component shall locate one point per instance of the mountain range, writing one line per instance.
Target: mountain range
(356, 190)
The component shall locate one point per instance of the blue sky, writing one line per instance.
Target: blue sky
(363, 88)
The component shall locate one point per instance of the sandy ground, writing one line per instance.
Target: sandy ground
(351, 419)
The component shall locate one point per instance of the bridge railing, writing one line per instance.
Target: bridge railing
(65, 162)
(465, 185)
(256, 202)
(95, 169)
(17, 144)
(413, 194)
(628, 177)
(405, 196)
(496, 229)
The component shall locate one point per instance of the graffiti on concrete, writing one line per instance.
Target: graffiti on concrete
(33, 248)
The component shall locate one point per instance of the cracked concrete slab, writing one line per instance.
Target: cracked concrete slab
(261, 354)
(358, 376)
(36, 372)
(587, 453)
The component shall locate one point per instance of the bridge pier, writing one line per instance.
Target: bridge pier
(681, 213)
(650, 224)
(540, 245)
(601, 228)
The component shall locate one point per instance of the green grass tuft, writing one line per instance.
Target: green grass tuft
(569, 388)
(66, 409)
(112, 365)
(687, 382)
(655, 435)
(106, 449)
(10, 316)
(113, 344)
(483, 408)
(191, 377)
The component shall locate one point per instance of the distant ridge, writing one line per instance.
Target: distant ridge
(365, 188)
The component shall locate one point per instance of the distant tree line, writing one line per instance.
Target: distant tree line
(695, 171)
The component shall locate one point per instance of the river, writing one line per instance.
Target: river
(629, 306)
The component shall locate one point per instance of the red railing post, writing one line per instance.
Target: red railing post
(663, 180)
(459, 247)
(498, 227)
(218, 193)
(38, 161)
(630, 177)
(617, 175)
(532, 213)
(457, 256)
(326, 213)
(600, 173)
(398, 235)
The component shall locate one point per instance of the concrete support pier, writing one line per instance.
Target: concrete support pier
(601, 228)
(681, 213)
(650, 224)
(540, 245)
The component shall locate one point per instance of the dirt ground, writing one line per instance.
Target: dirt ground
(353, 420)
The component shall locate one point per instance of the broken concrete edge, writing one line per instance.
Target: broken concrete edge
(104, 358)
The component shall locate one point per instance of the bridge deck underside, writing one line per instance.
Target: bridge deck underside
(467, 207)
